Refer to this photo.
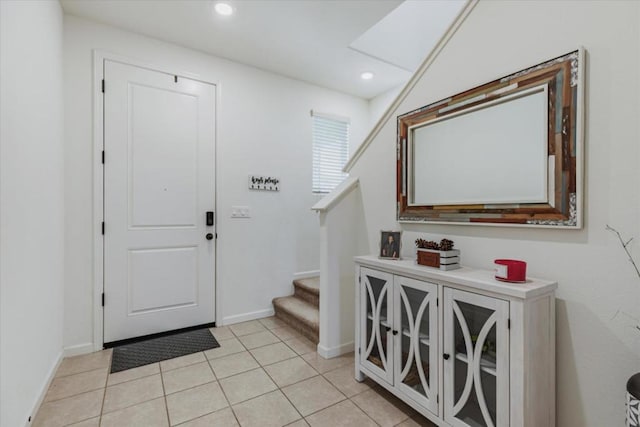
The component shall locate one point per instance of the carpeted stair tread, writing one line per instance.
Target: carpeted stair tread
(311, 285)
(308, 290)
(306, 312)
(300, 310)
(299, 314)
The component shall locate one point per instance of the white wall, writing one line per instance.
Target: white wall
(379, 104)
(264, 127)
(596, 353)
(31, 203)
(342, 236)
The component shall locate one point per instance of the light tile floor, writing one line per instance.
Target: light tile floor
(263, 374)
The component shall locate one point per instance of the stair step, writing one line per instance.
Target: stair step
(300, 315)
(308, 289)
(310, 284)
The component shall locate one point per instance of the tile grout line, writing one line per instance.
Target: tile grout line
(86, 419)
(364, 412)
(70, 395)
(333, 404)
(104, 395)
(80, 373)
(273, 363)
(104, 392)
(134, 404)
(202, 416)
(164, 396)
(56, 375)
(285, 343)
(225, 396)
(182, 366)
(189, 388)
(285, 394)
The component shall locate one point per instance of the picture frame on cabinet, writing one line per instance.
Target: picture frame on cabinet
(390, 243)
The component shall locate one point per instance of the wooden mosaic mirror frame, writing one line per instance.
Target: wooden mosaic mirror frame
(562, 81)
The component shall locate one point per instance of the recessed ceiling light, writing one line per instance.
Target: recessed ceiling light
(223, 9)
(367, 75)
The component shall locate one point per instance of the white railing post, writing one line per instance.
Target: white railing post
(338, 216)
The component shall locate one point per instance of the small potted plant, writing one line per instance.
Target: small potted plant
(439, 255)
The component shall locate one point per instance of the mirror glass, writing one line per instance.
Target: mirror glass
(507, 152)
(494, 153)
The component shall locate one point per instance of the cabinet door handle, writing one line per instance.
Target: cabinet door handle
(395, 332)
(446, 356)
(387, 328)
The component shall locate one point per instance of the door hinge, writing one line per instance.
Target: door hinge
(103, 157)
(359, 350)
(437, 398)
(216, 236)
(102, 85)
(359, 279)
(103, 299)
(103, 228)
(508, 323)
(437, 302)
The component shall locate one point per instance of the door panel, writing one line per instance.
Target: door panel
(476, 362)
(159, 181)
(152, 273)
(163, 153)
(416, 319)
(376, 296)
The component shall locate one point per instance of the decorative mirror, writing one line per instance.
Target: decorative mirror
(508, 152)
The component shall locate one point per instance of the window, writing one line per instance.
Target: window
(330, 151)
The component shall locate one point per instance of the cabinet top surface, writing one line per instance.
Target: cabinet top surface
(481, 280)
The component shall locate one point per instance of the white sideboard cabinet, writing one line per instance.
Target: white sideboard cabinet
(458, 346)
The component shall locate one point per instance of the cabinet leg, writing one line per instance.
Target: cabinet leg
(359, 376)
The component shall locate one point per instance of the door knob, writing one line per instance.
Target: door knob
(446, 356)
(209, 236)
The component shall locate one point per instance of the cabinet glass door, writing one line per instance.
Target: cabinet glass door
(476, 360)
(416, 370)
(376, 346)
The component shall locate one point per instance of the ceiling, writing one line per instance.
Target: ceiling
(307, 40)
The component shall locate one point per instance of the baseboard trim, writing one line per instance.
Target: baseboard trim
(76, 350)
(245, 317)
(44, 389)
(306, 274)
(329, 352)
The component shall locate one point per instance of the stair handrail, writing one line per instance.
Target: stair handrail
(408, 87)
(337, 194)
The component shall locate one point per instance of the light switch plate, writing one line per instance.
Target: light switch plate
(240, 212)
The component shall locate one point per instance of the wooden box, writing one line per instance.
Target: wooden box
(444, 260)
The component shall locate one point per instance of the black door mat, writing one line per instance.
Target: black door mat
(157, 349)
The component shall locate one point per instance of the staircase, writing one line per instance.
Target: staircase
(300, 310)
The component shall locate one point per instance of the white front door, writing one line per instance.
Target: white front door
(159, 184)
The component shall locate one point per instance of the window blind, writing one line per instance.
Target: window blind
(330, 151)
